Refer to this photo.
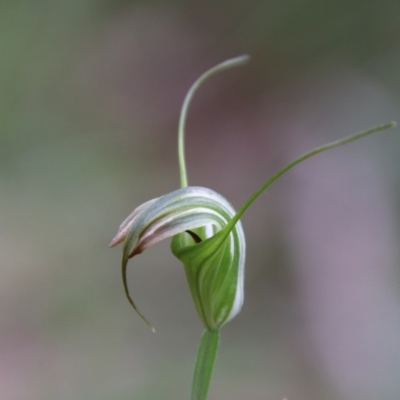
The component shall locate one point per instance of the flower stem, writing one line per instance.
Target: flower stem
(206, 356)
(233, 62)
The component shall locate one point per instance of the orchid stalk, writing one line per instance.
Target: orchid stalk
(207, 237)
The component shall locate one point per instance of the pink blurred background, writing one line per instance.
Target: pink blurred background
(90, 93)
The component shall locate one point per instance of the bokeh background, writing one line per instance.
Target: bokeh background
(90, 93)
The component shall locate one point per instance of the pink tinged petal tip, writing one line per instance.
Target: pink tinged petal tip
(128, 222)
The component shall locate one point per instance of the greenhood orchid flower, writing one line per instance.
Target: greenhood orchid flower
(207, 237)
(214, 264)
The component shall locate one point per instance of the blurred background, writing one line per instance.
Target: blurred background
(90, 94)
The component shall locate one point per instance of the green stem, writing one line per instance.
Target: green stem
(206, 356)
(233, 62)
(298, 160)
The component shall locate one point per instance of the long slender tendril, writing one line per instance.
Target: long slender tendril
(233, 62)
(298, 160)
